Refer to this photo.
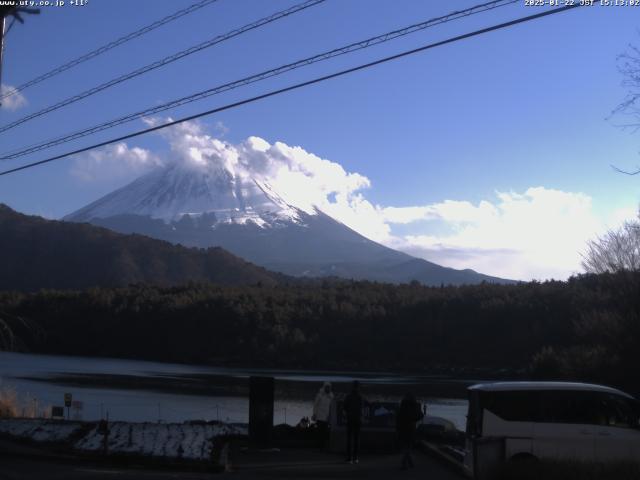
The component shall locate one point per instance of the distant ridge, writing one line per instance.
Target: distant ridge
(49, 254)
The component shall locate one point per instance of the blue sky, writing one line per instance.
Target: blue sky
(492, 153)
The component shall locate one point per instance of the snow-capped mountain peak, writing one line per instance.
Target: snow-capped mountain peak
(177, 190)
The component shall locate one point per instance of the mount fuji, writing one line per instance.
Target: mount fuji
(215, 206)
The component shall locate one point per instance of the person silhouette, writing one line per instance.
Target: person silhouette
(321, 413)
(352, 407)
(409, 414)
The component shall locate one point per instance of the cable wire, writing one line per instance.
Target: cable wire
(109, 46)
(165, 61)
(298, 86)
(259, 77)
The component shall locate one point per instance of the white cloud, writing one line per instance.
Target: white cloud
(538, 233)
(622, 215)
(114, 162)
(220, 128)
(302, 178)
(450, 210)
(12, 102)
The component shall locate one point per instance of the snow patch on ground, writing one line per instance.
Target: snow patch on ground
(190, 441)
(160, 439)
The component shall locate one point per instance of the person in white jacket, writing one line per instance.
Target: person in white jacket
(321, 412)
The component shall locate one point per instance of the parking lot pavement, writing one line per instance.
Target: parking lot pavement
(24, 468)
(293, 464)
(316, 465)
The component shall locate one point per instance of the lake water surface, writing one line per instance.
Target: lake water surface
(43, 388)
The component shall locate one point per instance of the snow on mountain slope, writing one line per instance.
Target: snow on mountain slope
(177, 190)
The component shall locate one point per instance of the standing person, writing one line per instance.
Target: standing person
(321, 412)
(352, 406)
(409, 414)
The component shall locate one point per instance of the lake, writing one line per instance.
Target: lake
(133, 390)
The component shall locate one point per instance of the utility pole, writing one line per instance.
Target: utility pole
(11, 11)
(2, 25)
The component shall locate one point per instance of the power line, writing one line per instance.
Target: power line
(109, 46)
(258, 77)
(166, 61)
(299, 85)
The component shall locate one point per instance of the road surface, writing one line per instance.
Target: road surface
(270, 466)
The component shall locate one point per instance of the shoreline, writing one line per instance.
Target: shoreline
(229, 367)
(233, 386)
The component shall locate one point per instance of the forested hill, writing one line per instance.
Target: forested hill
(38, 253)
(587, 328)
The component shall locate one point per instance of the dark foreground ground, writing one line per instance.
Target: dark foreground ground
(311, 464)
(285, 464)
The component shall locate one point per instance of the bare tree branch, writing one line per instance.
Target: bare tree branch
(628, 65)
(615, 251)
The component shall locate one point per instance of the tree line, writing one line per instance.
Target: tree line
(586, 328)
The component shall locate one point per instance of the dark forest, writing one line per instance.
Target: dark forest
(587, 328)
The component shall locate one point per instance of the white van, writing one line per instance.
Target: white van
(552, 420)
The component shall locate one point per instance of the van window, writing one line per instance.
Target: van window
(554, 406)
(514, 406)
(616, 411)
(566, 406)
